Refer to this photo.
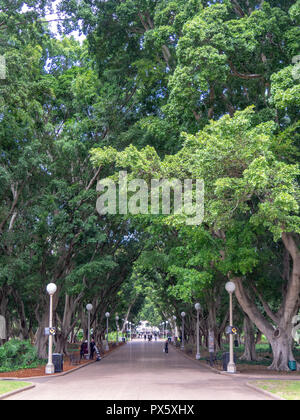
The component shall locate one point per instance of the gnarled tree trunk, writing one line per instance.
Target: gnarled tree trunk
(250, 351)
(280, 338)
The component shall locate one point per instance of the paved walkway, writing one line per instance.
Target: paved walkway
(141, 371)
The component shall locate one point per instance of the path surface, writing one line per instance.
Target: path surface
(141, 371)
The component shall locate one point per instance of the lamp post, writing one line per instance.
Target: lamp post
(51, 289)
(163, 327)
(89, 308)
(167, 329)
(231, 367)
(182, 343)
(198, 307)
(117, 323)
(107, 316)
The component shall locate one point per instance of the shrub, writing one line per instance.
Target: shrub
(17, 354)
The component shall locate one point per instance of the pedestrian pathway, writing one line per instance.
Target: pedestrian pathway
(142, 371)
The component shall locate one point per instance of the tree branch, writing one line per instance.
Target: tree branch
(266, 307)
(243, 75)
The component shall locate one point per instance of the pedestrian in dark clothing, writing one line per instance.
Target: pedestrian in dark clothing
(167, 346)
(83, 349)
(92, 348)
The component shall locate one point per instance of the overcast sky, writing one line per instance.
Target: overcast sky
(53, 25)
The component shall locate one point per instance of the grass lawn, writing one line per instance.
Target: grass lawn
(289, 390)
(8, 386)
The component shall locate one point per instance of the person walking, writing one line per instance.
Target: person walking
(83, 349)
(92, 348)
(167, 346)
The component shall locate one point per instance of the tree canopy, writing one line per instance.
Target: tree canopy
(162, 89)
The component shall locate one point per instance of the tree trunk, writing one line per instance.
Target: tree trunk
(24, 329)
(67, 324)
(282, 348)
(258, 337)
(280, 338)
(250, 351)
(212, 325)
(40, 339)
(84, 323)
(4, 291)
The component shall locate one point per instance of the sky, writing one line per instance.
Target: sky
(53, 25)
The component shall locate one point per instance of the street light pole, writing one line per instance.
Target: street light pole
(182, 342)
(89, 307)
(51, 289)
(231, 367)
(107, 316)
(198, 307)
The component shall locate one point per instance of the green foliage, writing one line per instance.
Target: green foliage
(17, 354)
(149, 312)
(162, 89)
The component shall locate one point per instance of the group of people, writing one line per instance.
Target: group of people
(93, 349)
(166, 345)
(150, 337)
